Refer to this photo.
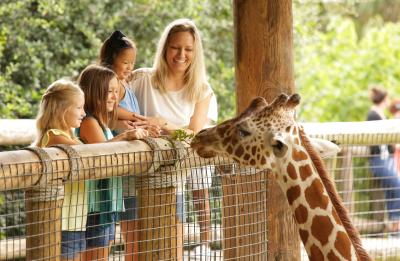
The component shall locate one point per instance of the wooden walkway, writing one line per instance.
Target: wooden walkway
(379, 248)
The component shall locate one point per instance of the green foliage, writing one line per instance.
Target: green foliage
(181, 135)
(336, 56)
(335, 66)
(46, 40)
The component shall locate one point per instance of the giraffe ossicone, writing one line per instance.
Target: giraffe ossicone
(266, 136)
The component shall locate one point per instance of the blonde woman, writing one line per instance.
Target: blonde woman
(175, 94)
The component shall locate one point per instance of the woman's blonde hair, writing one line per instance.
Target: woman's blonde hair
(56, 100)
(195, 75)
(94, 80)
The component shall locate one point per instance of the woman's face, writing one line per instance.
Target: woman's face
(180, 52)
(112, 97)
(124, 62)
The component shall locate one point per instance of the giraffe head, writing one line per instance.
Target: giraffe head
(258, 137)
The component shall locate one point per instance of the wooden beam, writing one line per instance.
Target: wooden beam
(264, 67)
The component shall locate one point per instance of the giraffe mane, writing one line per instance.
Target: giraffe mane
(335, 197)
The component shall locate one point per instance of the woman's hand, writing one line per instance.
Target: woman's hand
(157, 121)
(137, 117)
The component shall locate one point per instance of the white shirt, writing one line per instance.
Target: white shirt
(169, 105)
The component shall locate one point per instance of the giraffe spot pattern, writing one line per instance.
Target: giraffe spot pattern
(301, 214)
(297, 141)
(226, 141)
(284, 179)
(298, 155)
(291, 171)
(222, 130)
(316, 253)
(253, 150)
(314, 195)
(343, 245)
(321, 228)
(234, 141)
(239, 151)
(246, 157)
(304, 236)
(332, 257)
(293, 193)
(263, 160)
(305, 172)
(229, 149)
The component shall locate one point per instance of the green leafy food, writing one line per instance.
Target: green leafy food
(181, 135)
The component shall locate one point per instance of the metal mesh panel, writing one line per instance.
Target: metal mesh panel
(168, 223)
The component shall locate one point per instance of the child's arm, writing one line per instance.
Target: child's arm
(91, 132)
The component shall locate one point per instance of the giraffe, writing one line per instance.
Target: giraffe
(266, 136)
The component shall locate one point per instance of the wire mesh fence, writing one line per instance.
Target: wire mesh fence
(168, 204)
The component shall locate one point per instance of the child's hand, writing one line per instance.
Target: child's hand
(136, 134)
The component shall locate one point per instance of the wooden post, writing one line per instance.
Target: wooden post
(161, 234)
(264, 67)
(243, 216)
(43, 204)
(43, 227)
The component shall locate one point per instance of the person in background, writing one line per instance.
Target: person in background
(175, 94)
(395, 110)
(118, 53)
(61, 110)
(381, 160)
(105, 203)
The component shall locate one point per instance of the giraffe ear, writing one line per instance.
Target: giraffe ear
(256, 105)
(326, 148)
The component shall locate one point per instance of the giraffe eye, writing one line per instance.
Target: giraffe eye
(243, 133)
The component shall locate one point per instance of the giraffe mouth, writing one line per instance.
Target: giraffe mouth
(204, 153)
(201, 149)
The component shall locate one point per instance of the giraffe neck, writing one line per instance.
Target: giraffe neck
(334, 197)
(320, 228)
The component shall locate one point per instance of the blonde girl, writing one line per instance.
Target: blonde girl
(61, 110)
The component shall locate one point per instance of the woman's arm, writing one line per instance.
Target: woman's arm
(124, 114)
(199, 117)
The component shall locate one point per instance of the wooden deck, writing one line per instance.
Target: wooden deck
(379, 248)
